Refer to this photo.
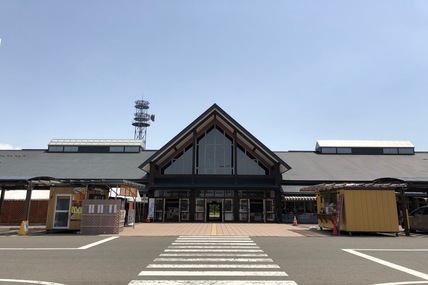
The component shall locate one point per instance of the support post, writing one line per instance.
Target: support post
(28, 201)
(405, 212)
(3, 193)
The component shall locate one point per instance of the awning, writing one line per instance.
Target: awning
(299, 198)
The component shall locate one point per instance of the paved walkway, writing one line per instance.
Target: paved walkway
(218, 229)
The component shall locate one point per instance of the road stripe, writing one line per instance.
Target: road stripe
(209, 246)
(225, 237)
(213, 240)
(264, 266)
(389, 264)
(98, 242)
(215, 254)
(393, 249)
(29, 281)
(214, 243)
(37, 248)
(212, 273)
(213, 250)
(211, 282)
(214, 259)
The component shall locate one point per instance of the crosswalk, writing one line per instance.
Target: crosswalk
(213, 260)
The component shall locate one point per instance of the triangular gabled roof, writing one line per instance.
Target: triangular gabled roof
(211, 114)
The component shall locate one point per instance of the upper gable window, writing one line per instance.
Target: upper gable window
(214, 152)
(181, 163)
(248, 164)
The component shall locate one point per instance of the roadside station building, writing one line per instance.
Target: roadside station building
(213, 170)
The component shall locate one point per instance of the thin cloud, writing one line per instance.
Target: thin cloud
(5, 146)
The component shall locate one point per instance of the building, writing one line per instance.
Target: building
(213, 170)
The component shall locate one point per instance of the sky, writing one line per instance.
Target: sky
(290, 72)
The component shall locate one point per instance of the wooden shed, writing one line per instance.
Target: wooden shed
(357, 207)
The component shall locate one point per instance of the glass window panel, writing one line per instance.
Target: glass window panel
(247, 164)
(61, 220)
(219, 193)
(116, 149)
(209, 193)
(62, 203)
(200, 205)
(181, 163)
(71, 149)
(200, 193)
(56, 148)
(228, 205)
(159, 205)
(199, 216)
(229, 217)
(229, 193)
(132, 149)
(185, 205)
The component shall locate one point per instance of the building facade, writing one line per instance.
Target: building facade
(214, 170)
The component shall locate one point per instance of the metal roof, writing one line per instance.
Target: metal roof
(363, 143)
(311, 166)
(34, 163)
(95, 142)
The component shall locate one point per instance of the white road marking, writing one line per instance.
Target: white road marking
(389, 264)
(29, 281)
(214, 259)
(215, 254)
(213, 250)
(214, 243)
(213, 240)
(98, 242)
(264, 266)
(211, 282)
(391, 249)
(219, 237)
(213, 273)
(37, 248)
(213, 246)
(404, 283)
(61, 248)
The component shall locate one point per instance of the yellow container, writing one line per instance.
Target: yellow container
(23, 230)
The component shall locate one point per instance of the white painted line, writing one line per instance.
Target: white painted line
(212, 273)
(98, 242)
(215, 254)
(214, 243)
(248, 266)
(208, 246)
(393, 249)
(211, 282)
(213, 250)
(213, 259)
(389, 264)
(29, 281)
(60, 248)
(37, 248)
(211, 240)
(225, 237)
(404, 283)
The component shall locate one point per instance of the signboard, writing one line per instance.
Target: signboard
(151, 213)
(339, 211)
(128, 191)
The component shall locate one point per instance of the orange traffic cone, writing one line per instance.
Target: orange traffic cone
(295, 221)
(148, 219)
(334, 229)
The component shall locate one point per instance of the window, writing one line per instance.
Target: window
(181, 163)
(248, 164)
(214, 152)
(56, 148)
(116, 149)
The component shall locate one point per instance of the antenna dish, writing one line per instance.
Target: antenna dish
(152, 117)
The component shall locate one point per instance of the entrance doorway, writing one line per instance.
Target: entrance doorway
(62, 211)
(256, 210)
(213, 211)
(172, 210)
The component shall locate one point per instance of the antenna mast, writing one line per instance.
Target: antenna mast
(142, 120)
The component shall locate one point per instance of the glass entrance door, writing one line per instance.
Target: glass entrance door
(213, 211)
(172, 210)
(62, 211)
(256, 210)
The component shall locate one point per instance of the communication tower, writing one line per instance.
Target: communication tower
(142, 120)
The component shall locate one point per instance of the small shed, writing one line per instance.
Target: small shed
(357, 207)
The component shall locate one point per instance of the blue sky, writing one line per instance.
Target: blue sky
(290, 72)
